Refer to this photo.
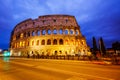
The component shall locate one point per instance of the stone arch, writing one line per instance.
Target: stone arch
(24, 34)
(43, 32)
(71, 31)
(60, 52)
(18, 36)
(55, 42)
(55, 52)
(38, 32)
(43, 42)
(66, 42)
(77, 32)
(61, 42)
(49, 31)
(28, 43)
(37, 42)
(33, 43)
(54, 31)
(66, 31)
(61, 31)
(48, 42)
(33, 33)
(21, 35)
(28, 33)
(72, 42)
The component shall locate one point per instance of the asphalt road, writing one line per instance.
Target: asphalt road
(50, 69)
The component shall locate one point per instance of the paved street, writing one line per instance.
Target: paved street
(51, 69)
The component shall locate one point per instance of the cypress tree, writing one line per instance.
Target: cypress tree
(94, 46)
(116, 46)
(102, 46)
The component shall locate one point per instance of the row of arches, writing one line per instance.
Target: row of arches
(55, 31)
(37, 43)
(50, 51)
(47, 32)
(48, 42)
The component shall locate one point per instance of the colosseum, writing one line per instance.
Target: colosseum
(48, 35)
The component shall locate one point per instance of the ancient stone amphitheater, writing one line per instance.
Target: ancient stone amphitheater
(48, 35)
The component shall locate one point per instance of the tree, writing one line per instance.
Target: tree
(94, 46)
(102, 47)
(116, 46)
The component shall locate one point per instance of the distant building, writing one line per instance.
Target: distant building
(48, 35)
(110, 51)
(116, 47)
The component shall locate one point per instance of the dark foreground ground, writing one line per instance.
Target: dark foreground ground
(51, 69)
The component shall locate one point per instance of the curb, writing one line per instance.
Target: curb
(102, 62)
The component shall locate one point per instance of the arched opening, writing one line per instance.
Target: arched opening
(38, 32)
(33, 33)
(55, 52)
(72, 42)
(66, 31)
(18, 36)
(71, 31)
(28, 43)
(43, 32)
(54, 42)
(54, 31)
(21, 35)
(43, 42)
(60, 31)
(23, 43)
(48, 42)
(49, 31)
(61, 42)
(66, 52)
(66, 42)
(28, 34)
(24, 34)
(37, 42)
(60, 52)
(32, 43)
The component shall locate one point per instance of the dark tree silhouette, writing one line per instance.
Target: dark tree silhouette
(94, 46)
(116, 46)
(102, 47)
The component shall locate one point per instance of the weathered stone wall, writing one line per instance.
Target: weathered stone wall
(48, 35)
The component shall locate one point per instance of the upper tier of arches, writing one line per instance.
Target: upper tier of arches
(46, 32)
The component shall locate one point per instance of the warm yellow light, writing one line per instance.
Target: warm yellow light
(20, 43)
(21, 35)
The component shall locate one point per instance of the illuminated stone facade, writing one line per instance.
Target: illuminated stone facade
(48, 35)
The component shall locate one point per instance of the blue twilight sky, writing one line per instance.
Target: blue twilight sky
(99, 18)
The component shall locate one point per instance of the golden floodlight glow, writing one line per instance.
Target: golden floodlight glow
(48, 35)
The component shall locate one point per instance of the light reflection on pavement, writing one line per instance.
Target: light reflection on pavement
(46, 69)
(6, 59)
